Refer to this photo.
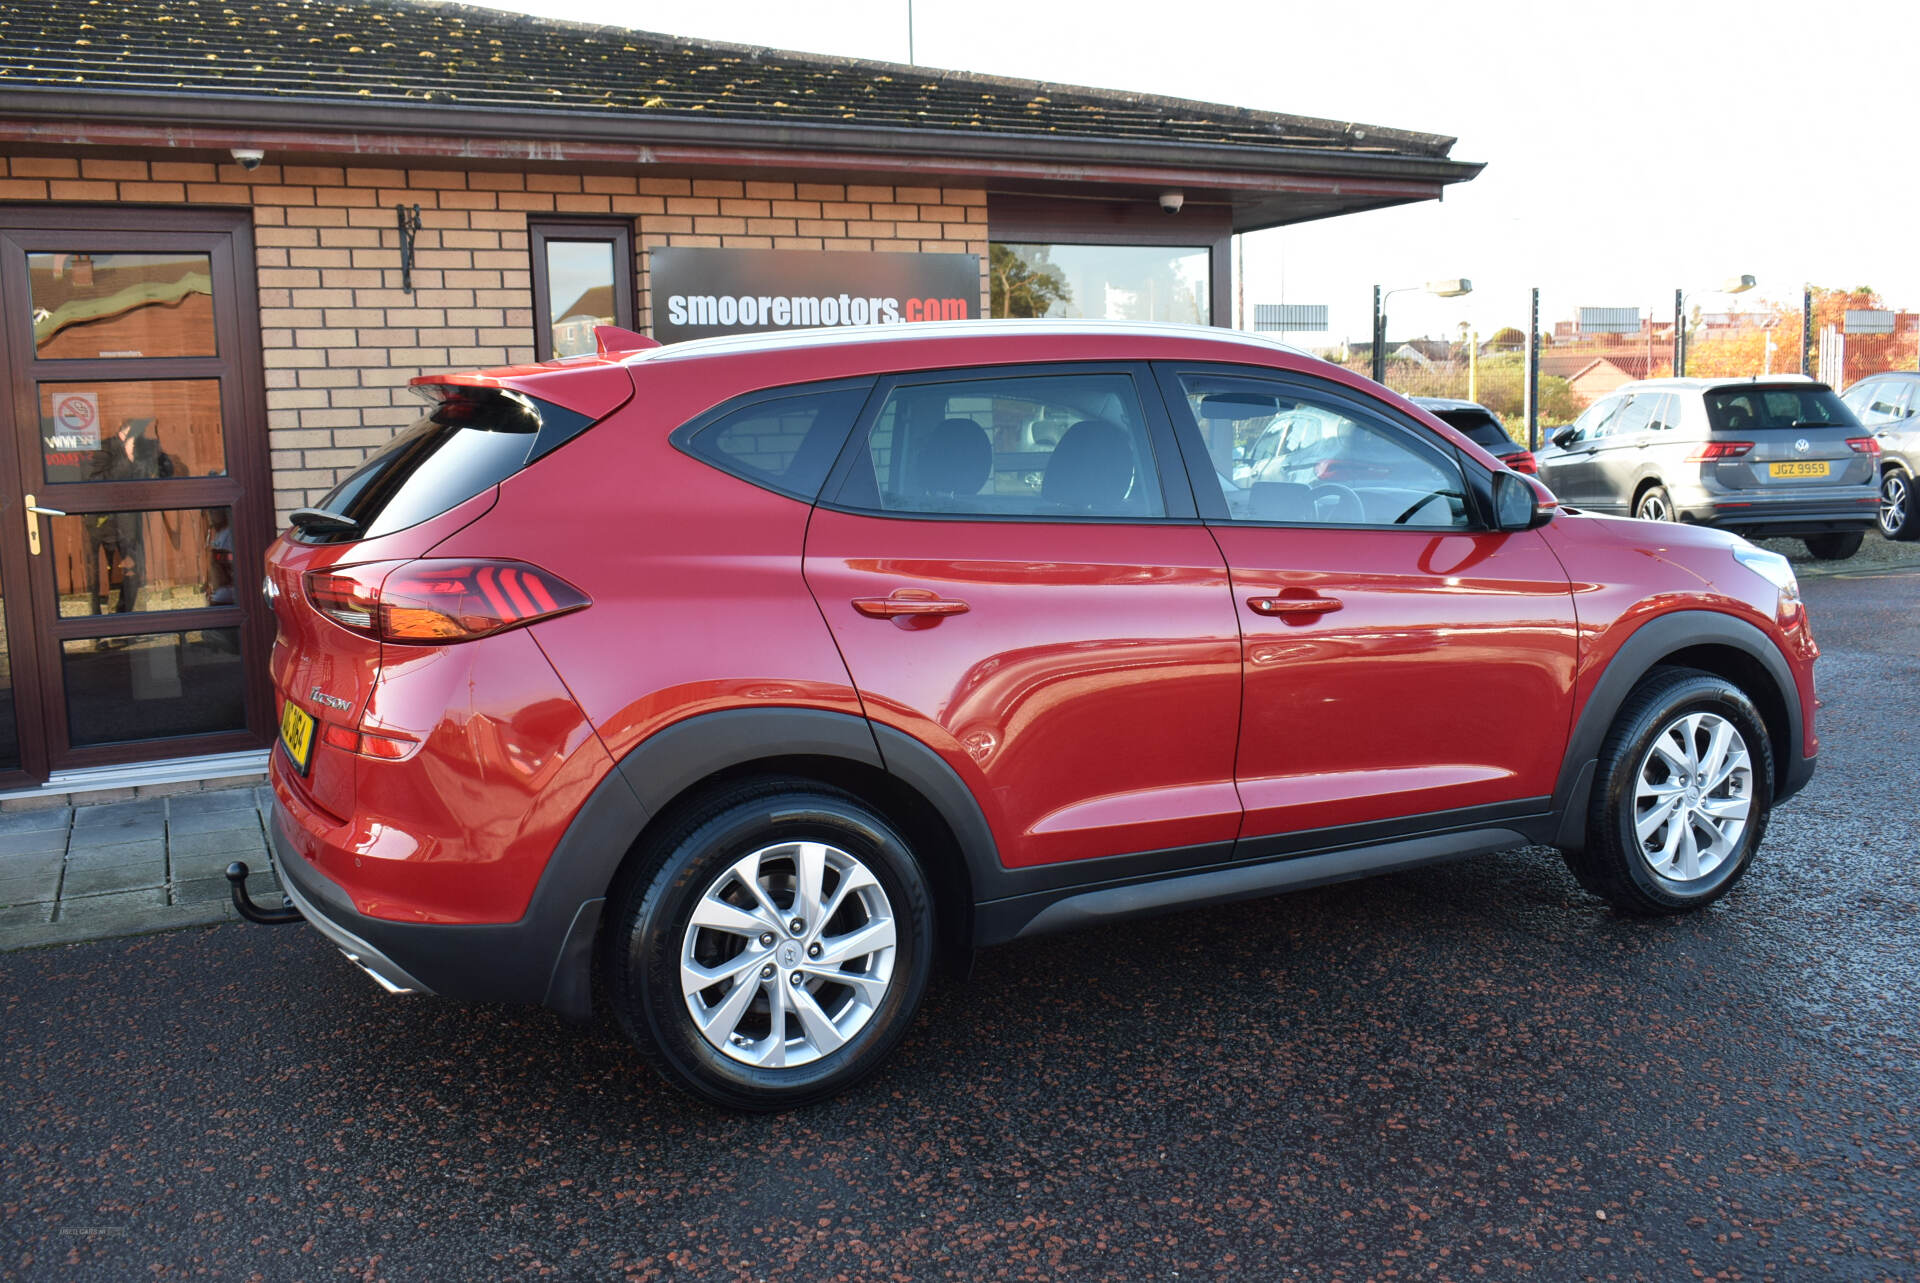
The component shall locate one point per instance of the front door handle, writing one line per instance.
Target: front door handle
(34, 513)
(1292, 605)
(909, 603)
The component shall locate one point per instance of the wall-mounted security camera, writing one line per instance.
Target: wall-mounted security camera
(249, 158)
(1170, 202)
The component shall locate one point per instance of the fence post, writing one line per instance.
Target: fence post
(1679, 335)
(1806, 329)
(1379, 340)
(1533, 373)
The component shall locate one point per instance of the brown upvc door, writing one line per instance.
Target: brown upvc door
(134, 500)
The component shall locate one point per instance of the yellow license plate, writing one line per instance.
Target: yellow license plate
(1799, 468)
(296, 734)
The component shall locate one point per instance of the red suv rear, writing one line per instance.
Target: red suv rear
(758, 675)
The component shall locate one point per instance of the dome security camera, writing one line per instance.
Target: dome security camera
(1170, 202)
(249, 158)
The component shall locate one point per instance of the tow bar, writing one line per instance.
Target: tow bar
(237, 883)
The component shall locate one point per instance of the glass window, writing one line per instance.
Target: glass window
(1665, 415)
(1637, 417)
(786, 443)
(154, 685)
(1072, 445)
(582, 279)
(172, 559)
(1751, 409)
(1858, 395)
(87, 306)
(1889, 402)
(1109, 282)
(1328, 465)
(1593, 421)
(131, 430)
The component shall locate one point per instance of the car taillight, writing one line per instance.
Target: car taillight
(1523, 462)
(389, 748)
(438, 602)
(1720, 450)
(1863, 445)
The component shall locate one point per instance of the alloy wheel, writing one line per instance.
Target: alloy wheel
(1693, 797)
(788, 954)
(1653, 507)
(1895, 495)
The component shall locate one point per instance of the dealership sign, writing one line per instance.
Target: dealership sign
(702, 292)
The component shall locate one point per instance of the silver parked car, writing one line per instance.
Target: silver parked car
(1762, 457)
(1888, 405)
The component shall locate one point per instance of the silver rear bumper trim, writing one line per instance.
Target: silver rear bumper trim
(388, 974)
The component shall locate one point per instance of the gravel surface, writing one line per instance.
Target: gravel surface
(1876, 553)
(1464, 1072)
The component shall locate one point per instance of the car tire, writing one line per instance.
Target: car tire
(1654, 504)
(1647, 816)
(1836, 547)
(687, 904)
(1898, 516)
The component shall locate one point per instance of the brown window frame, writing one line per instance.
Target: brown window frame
(626, 296)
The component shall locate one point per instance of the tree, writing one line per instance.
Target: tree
(1743, 351)
(1025, 286)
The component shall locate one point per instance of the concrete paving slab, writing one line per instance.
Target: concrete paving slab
(116, 814)
(185, 804)
(114, 877)
(234, 844)
(34, 889)
(31, 840)
(207, 864)
(32, 864)
(213, 822)
(97, 857)
(25, 915)
(105, 908)
(209, 890)
(52, 817)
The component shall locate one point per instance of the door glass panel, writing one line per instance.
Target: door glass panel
(153, 685)
(580, 284)
(121, 305)
(122, 562)
(131, 430)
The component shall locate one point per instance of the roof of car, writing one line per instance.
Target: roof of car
(1447, 403)
(1693, 384)
(929, 331)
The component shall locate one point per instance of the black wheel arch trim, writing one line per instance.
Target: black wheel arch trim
(1651, 643)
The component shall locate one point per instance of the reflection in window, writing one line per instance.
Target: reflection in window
(580, 285)
(121, 305)
(131, 430)
(1105, 282)
(154, 685)
(108, 563)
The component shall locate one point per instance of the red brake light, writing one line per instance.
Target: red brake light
(1523, 462)
(1720, 450)
(1863, 445)
(429, 602)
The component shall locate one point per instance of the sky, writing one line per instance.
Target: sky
(1631, 148)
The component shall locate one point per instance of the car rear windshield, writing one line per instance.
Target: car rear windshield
(1479, 426)
(1759, 408)
(470, 440)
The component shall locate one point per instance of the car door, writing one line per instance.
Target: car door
(1620, 457)
(1401, 662)
(1567, 464)
(1046, 614)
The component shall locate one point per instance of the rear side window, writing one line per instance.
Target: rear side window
(470, 440)
(1026, 446)
(1758, 409)
(783, 441)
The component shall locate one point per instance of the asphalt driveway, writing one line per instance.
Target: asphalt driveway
(1466, 1072)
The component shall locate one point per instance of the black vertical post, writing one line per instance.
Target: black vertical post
(1379, 340)
(1806, 330)
(1679, 335)
(1533, 372)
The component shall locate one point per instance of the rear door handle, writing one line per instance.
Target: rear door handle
(1292, 605)
(907, 602)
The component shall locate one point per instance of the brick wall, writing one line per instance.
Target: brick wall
(340, 338)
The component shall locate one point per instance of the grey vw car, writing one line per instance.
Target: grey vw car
(1762, 457)
(1888, 405)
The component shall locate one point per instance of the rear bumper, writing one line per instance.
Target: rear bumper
(1768, 518)
(541, 959)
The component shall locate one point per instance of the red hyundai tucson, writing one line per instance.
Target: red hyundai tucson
(751, 679)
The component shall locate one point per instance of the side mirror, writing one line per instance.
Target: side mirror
(1516, 506)
(1564, 437)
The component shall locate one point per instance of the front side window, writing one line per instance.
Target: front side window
(1332, 464)
(1888, 402)
(1034, 446)
(1592, 423)
(1105, 282)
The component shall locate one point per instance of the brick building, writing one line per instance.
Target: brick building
(209, 216)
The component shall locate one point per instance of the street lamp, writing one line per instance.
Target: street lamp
(1732, 285)
(1453, 288)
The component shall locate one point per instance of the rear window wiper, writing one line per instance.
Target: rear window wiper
(318, 521)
